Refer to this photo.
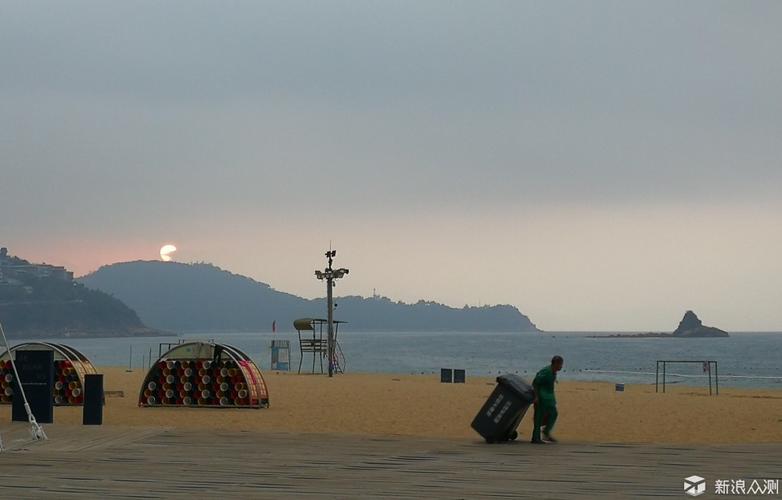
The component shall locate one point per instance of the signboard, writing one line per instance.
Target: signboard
(93, 399)
(36, 373)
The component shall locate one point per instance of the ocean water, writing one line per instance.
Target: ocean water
(745, 359)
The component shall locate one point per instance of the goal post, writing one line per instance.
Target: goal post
(709, 366)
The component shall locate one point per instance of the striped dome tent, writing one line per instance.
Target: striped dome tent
(204, 374)
(70, 367)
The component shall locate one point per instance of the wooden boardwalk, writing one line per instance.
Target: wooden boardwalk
(117, 462)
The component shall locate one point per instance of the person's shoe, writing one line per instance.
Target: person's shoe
(550, 438)
(537, 441)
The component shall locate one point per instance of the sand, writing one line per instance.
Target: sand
(419, 405)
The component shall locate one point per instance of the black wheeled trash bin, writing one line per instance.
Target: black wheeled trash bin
(502, 413)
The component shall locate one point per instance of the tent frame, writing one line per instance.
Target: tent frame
(219, 352)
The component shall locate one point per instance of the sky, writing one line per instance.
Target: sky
(600, 165)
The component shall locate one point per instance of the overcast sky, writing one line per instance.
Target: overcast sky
(600, 165)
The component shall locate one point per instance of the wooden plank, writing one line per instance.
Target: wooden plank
(112, 462)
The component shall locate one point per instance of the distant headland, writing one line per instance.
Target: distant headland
(41, 300)
(204, 298)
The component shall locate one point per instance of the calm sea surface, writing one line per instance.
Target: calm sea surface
(745, 359)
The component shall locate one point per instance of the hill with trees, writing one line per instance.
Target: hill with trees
(41, 300)
(202, 297)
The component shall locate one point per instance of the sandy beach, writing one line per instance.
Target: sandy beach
(419, 405)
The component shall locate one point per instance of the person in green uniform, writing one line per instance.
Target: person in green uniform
(545, 402)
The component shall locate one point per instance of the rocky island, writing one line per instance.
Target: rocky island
(692, 326)
(689, 327)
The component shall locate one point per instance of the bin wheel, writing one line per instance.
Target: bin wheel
(513, 436)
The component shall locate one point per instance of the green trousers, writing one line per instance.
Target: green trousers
(544, 412)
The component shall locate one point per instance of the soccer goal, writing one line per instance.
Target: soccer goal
(710, 370)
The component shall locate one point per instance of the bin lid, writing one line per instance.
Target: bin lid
(517, 385)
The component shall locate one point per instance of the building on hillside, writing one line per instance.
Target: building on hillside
(11, 267)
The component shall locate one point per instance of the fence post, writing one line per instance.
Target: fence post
(664, 367)
(717, 378)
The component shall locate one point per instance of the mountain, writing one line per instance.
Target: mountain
(692, 326)
(40, 300)
(202, 297)
(380, 313)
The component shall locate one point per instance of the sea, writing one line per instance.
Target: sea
(743, 359)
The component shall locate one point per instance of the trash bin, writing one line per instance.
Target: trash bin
(501, 414)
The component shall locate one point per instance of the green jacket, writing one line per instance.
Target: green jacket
(544, 385)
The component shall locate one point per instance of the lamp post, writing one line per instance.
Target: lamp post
(330, 275)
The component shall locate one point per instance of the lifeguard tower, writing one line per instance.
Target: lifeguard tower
(313, 341)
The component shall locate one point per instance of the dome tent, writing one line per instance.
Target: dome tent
(204, 374)
(70, 367)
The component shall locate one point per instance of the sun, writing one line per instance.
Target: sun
(166, 251)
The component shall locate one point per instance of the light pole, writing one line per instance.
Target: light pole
(330, 275)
